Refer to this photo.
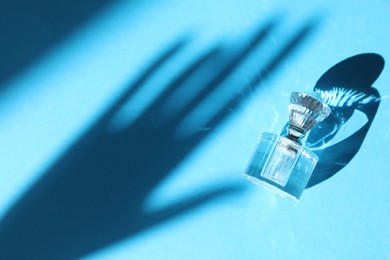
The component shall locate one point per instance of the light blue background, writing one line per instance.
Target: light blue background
(59, 96)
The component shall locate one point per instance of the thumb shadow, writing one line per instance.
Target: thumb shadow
(347, 89)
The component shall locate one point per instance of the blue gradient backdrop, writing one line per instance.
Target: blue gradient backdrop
(61, 75)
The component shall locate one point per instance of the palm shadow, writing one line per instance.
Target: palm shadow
(94, 195)
(347, 89)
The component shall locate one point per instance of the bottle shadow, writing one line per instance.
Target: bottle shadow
(347, 89)
(94, 195)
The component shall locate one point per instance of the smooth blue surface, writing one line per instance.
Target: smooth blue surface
(49, 104)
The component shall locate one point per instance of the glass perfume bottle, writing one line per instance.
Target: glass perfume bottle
(282, 163)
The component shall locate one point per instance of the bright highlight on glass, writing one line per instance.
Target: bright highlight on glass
(282, 163)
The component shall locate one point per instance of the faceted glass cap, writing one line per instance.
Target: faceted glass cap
(306, 111)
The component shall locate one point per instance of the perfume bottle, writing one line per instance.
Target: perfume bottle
(282, 163)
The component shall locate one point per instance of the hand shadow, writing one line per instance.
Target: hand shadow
(94, 195)
(346, 88)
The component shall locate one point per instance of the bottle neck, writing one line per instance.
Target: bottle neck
(295, 133)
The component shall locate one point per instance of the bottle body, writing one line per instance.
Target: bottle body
(281, 164)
